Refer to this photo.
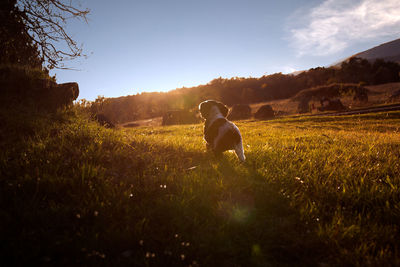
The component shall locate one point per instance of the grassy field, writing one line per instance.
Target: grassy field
(320, 191)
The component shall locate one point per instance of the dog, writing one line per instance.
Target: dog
(220, 134)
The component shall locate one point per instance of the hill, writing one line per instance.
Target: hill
(389, 51)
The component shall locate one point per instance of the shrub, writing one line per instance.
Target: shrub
(240, 112)
(264, 112)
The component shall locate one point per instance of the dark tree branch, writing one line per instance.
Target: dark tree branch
(46, 21)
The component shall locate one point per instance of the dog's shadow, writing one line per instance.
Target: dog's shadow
(230, 167)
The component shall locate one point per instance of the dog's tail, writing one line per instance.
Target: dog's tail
(239, 151)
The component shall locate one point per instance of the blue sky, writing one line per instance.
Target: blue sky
(159, 45)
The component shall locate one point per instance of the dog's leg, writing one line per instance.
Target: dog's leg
(239, 151)
(208, 146)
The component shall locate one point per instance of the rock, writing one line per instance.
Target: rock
(240, 112)
(264, 112)
(51, 96)
(21, 86)
(67, 92)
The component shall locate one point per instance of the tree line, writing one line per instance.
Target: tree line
(239, 90)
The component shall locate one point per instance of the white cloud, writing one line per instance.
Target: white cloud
(335, 24)
(288, 69)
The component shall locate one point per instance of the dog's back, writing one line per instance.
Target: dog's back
(224, 135)
(228, 137)
(211, 129)
(219, 133)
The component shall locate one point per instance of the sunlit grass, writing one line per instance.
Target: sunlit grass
(314, 190)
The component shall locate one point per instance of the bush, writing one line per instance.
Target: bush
(264, 112)
(240, 112)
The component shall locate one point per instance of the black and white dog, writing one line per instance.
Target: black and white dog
(219, 133)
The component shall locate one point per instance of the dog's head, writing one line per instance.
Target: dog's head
(205, 108)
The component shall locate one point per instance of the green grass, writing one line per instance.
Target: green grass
(314, 191)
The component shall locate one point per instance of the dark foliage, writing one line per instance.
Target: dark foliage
(16, 45)
(103, 120)
(330, 91)
(332, 105)
(361, 95)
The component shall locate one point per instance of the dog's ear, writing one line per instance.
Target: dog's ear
(204, 108)
(223, 109)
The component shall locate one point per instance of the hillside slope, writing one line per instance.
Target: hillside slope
(389, 51)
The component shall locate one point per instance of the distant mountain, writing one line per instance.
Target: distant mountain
(389, 51)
